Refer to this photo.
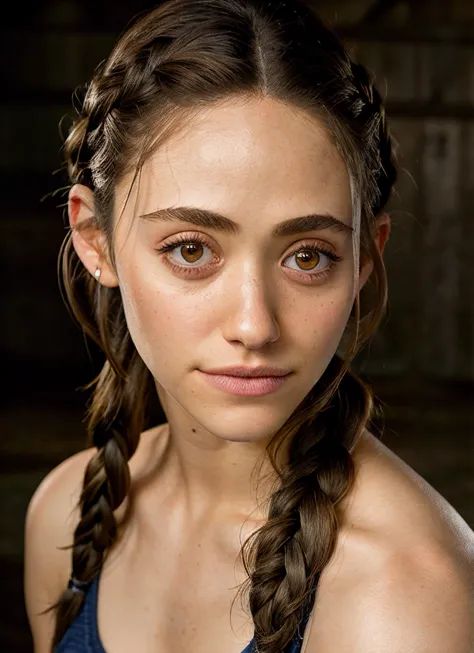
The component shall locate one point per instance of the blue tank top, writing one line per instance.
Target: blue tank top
(82, 636)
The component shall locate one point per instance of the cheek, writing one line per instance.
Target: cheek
(318, 325)
(164, 323)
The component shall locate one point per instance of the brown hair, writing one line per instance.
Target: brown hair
(179, 57)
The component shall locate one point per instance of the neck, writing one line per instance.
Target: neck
(212, 477)
(216, 477)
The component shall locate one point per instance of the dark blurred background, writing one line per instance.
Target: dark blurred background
(422, 362)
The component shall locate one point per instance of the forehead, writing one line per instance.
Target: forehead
(247, 158)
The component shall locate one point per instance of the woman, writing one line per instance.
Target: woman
(229, 172)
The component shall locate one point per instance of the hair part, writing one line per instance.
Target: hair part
(181, 57)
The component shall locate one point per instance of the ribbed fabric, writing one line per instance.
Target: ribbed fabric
(82, 636)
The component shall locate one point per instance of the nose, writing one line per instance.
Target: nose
(251, 316)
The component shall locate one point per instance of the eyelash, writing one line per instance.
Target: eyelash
(183, 239)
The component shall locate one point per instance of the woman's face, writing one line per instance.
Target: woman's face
(239, 294)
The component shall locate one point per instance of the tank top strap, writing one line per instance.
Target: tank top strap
(82, 636)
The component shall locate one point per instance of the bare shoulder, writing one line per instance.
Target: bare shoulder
(402, 576)
(53, 513)
(51, 519)
(392, 499)
(398, 601)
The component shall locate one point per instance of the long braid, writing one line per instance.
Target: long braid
(117, 412)
(115, 420)
(115, 417)
(285, 557)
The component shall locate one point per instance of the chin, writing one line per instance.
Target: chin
(254, 426)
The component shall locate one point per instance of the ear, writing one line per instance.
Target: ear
(382, 232)
(88, 239)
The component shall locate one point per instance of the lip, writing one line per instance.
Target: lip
(246, 372)
(245, 387)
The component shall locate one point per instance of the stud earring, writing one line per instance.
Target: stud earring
(97, 274)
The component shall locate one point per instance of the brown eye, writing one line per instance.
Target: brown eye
(191, 252)
(313, 259)
(308, 259)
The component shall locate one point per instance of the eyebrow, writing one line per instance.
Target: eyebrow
(212, 220)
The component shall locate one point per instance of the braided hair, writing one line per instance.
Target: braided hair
(173, 60)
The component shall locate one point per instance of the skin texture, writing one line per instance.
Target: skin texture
(253, 304)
